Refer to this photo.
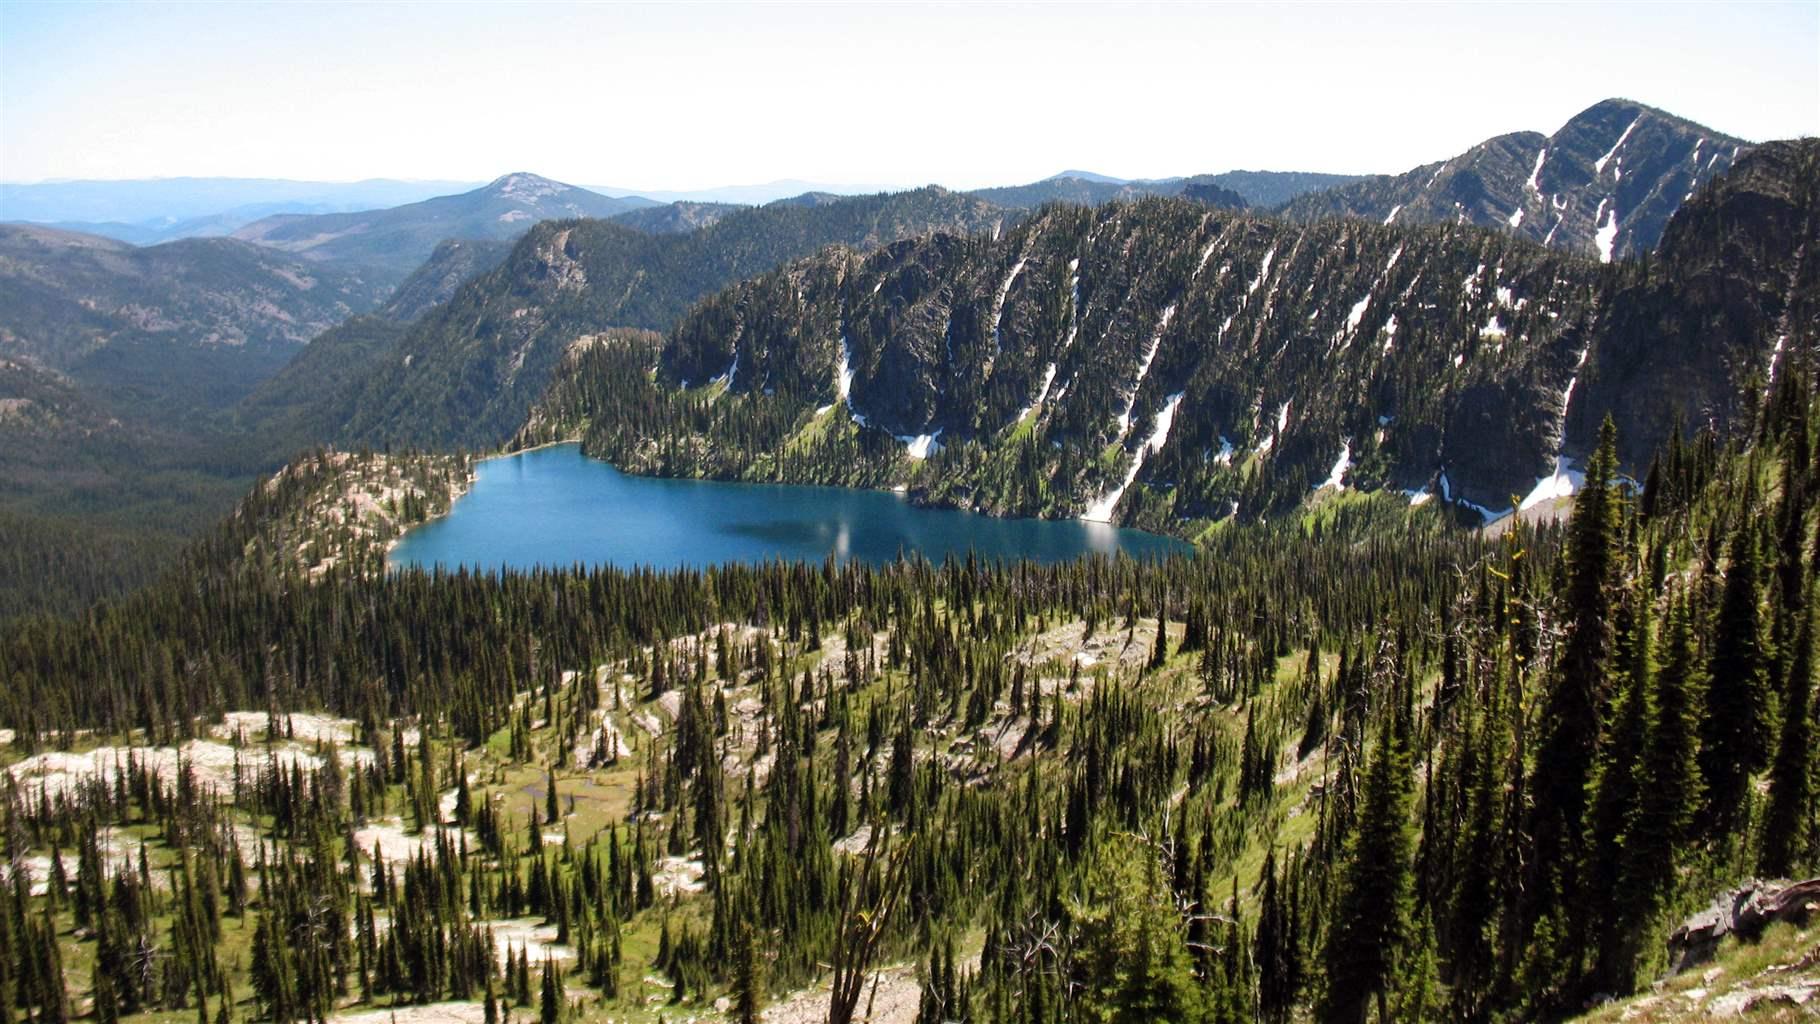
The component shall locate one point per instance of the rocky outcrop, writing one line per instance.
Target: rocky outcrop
(1735, 288)
(1744, 911)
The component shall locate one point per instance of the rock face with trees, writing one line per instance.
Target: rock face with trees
(1605, 185)
(1167, 365)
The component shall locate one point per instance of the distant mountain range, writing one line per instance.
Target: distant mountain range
(749, 195)
(396, 240)
(153, 210)
(186, 324)
(1605, 184)
(1232, 189)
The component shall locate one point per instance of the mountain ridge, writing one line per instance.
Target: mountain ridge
(396, 240)
(1571, 189)
(1221, 358)
(467, 371)
(208, 315)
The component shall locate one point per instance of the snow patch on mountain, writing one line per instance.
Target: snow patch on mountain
(1336, 478)
(1156, 340)
(1100, 511)
(998, 307)
(732, 368)
(1563, 482)
(1042, 393)
(1357, 313)
(843, 377)
(1599, 164)
(1532, 185)
(921, 446)
(1263, 272)
(1608, 231)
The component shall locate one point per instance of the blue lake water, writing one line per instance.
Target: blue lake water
(556, 507)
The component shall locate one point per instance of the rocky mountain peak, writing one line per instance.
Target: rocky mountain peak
(1604, 184)
(525, 187)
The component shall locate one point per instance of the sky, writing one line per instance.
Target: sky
(687, 96)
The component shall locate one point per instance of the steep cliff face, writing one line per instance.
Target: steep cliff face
(1160, 358)
(1734, 290)
(1604, 185)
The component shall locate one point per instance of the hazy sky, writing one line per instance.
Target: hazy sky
(688, 96)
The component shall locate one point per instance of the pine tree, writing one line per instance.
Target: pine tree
(1274, 951)
(1616, 801)
(1573, 717)
(552, 811)
(1371, 921)
(748, 986)
(1791, 791)
(549, 1009)
(1735, 732)
(1668, 784)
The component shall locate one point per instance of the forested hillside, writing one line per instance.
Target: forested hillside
(1165, 365)
(468, 372)
(114, 361)
(674, 218)
(451, 264)
(1346, 766)
(168, 329)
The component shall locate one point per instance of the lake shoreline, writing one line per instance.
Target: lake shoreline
(558, 511)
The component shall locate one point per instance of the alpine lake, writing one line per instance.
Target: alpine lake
(555, 507)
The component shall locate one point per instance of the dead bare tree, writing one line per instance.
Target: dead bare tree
(870, 890)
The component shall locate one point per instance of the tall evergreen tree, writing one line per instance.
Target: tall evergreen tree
(1372, 916)
(1735, 732)
(1573, 718)
(1791, 792)
(1616, 801)
(1668, 783)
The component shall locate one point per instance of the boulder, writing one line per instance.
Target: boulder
(1744, 911)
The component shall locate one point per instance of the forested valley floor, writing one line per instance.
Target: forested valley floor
(1353, 764)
